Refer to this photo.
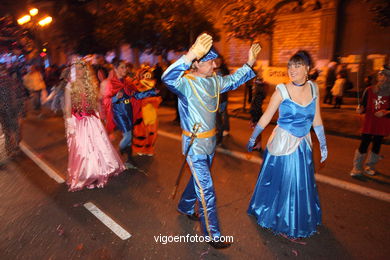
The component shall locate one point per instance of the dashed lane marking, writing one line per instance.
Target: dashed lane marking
(106, 220)
(380, 195)
(41, 163)
(99, 214)
(384, 196)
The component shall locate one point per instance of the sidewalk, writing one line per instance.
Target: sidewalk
(340, 149)
(343, 122)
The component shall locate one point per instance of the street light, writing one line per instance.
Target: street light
(33, 11)
(24, 19)
(45, 21)
(33, 26)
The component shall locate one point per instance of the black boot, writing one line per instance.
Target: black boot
(194, 216)
(130, 164)
(219, 244)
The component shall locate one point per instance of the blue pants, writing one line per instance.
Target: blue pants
(200, 187)
(126, 140)
(123, 115)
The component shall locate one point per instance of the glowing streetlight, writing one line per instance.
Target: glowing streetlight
(45, 21)
(24, 19)
(33, 11)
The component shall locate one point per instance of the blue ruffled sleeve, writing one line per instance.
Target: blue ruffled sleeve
(233, 81)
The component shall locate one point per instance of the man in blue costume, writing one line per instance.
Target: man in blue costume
(198, 93)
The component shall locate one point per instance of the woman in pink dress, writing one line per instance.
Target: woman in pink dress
(92, 158)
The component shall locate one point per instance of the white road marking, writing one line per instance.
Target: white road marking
(384, 196)
(243, 156)
(41, 163)
(106, 220)
(169, 135)
(380, 195)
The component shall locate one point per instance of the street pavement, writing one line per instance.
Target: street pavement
(40, 219)
(342, 122)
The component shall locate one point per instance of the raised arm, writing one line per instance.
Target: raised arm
(243, 74)
(172, 77)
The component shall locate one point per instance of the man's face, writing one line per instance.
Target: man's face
(206, 68)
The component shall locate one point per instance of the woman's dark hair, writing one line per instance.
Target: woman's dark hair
(301, 58)
(116, 62)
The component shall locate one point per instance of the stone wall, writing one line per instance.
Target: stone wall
(295, 32)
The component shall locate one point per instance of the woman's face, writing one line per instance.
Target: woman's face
(297, 73)
(80, 70)
(121, 70)
(381, 78)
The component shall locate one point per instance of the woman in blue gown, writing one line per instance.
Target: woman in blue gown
(285, 198)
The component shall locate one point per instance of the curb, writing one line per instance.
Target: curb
(330, 132)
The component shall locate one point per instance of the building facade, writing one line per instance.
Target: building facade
(341, 30)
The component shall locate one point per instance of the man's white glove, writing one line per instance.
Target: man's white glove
(253, 52)
(202, 45)
(70, 125)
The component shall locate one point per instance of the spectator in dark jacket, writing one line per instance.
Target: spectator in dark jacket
(256, 110)
(330, 79)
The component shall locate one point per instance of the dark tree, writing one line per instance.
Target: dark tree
(381, 11)
(246, 20)
(154, 26)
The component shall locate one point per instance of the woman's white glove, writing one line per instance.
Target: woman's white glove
(202, 45)
(319, 130)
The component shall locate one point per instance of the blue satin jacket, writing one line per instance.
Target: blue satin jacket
(198, 100)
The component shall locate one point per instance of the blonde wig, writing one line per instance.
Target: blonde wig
(84, 90)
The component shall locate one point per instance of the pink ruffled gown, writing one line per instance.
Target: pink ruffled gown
(92, 158)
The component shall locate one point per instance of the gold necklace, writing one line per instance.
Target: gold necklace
(204, 90)
(200, 100)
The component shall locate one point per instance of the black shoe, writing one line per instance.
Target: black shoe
(194, 216)
(130, 166)
(220, 245)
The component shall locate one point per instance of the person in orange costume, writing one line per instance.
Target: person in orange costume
(145, 114)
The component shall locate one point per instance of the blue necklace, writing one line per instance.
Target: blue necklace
(298, 85)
